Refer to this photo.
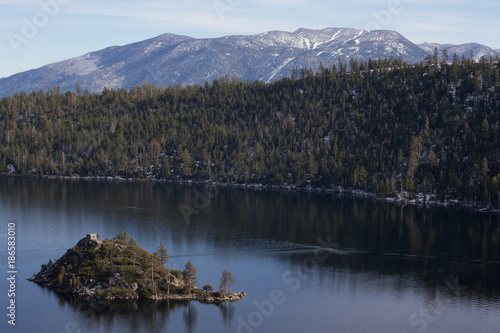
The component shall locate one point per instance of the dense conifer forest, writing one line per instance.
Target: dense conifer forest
(380, 126)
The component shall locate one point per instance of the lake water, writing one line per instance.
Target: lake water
(308, 262)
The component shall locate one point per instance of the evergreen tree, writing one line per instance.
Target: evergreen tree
(162, 252)
(107, 249)
(133, 250)
(226, 282)
(446, 56)
(230, 280)
(190, 275)
(123, 236)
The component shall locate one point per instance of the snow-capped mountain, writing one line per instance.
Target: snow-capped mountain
(172, 59)
(461, 50)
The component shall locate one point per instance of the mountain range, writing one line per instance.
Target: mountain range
(173, 59)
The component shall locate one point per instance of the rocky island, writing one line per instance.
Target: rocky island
(119, 269)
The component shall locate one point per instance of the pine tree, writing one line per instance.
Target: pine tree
(223, 283)
(230, 280)
(190, 275)
(133, 250)
(226, 282)
(435, 57)
(186, 162)
(446, 56)
(154, 258)
(162, 252)
(123, 236)
(108, 249)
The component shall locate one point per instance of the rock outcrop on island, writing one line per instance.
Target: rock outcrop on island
(120, 269)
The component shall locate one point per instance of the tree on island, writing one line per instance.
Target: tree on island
(162, 252)
(133, 250)
(190, 275)
(46, 266)
(154, 260)
(108, 248)
(123, 236)
(226, 282)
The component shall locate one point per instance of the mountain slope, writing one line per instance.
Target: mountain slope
(172, 59)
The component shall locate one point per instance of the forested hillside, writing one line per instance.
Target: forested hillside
(383, 127)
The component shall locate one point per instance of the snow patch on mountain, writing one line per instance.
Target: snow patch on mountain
(80, 66)
(280, 67)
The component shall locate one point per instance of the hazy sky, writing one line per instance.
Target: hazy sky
(34, 33)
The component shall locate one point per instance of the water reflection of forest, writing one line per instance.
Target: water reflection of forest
(140, 314)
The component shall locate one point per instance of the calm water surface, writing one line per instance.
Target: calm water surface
(308, 262)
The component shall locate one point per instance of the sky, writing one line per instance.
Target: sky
(34, 33)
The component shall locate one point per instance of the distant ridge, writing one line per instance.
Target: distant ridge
(173, 59)
(461, 50)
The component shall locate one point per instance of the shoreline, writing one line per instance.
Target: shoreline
(420, 201)
(196, 296)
